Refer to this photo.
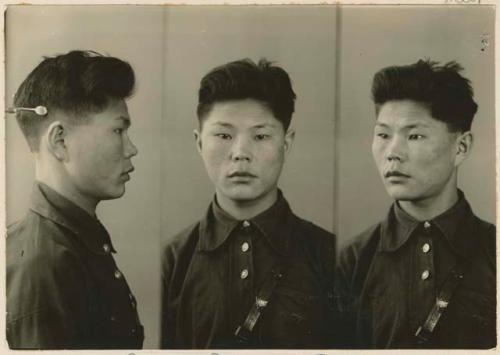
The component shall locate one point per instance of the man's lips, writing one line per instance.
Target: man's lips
(241, 174)
(125, 175)
(128, 171)
(395, 173)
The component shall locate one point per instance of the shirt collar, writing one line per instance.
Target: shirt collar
(55, 207)
(274, 223)
(454, 224)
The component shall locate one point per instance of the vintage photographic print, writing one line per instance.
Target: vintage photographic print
(220, 178)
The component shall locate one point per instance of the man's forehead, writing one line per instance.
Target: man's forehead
(237, 123)
(405, 113)
(404, 122)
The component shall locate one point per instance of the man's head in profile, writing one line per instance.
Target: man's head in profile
(422, 133)
(64, 289)
(81, 145)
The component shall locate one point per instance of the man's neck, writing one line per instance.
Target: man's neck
(427, 209)
(241, 210)
(61, 185)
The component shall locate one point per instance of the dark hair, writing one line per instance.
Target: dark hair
(447, 94)
(77, 83)
(243, 79)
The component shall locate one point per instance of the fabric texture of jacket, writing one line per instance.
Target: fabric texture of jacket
(389, 278)
(64, 290)
(213, 271)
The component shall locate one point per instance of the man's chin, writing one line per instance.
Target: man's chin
(113, 195)
(399, 193)
(242, 194)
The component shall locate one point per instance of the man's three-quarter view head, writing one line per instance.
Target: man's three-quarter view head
(422, 132)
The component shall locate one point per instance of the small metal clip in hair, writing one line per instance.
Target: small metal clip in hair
(39, 110)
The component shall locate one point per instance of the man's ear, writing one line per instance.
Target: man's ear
(197, 137)
(464, 146)
(289, 138)
(56, 135)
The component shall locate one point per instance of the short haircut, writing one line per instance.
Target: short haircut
(447, 94)
(77, 83)
(243, 79)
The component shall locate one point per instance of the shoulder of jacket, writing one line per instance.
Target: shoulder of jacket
(181, 241)
(320, 244)
(360, 240)
(40, 250)
(314, 231)
(358, 245)
(38, 232)
(487, 233)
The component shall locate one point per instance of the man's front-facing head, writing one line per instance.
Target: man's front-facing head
(422, 133)
(81, 145)
(244, 112)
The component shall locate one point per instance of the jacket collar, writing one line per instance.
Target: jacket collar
(275, 224)
(50, 204)
(455, 224)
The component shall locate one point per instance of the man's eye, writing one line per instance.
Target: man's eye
(382, 135)
(119, 130)
(261, 137)
(224, 136)
(415, 137)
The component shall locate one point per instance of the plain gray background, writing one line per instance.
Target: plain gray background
(331, 54)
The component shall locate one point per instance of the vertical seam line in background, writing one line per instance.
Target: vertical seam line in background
(336, 122)
(162, 150)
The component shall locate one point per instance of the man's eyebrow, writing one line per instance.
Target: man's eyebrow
(264, 125)
(223, 124)
(408, 126)
(416, 125)
(126, 120)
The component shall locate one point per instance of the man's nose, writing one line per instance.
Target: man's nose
(396, 149)
(241, 149)
(130, 148)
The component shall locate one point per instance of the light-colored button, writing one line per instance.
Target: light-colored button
(118, 274)
(244, 274)
(246, 224)
(426, 247)
(425, 275)
(244, 247)
(426, 224)
(106, 248)
(131, 296)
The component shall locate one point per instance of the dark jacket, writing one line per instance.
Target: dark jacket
(64, 290)
(213, 271)
(389, 278)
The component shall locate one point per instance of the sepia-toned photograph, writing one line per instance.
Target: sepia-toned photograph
(223, 177)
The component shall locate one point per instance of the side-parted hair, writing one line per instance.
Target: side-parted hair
(243, 79)
(447, 94)
(77, 83)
